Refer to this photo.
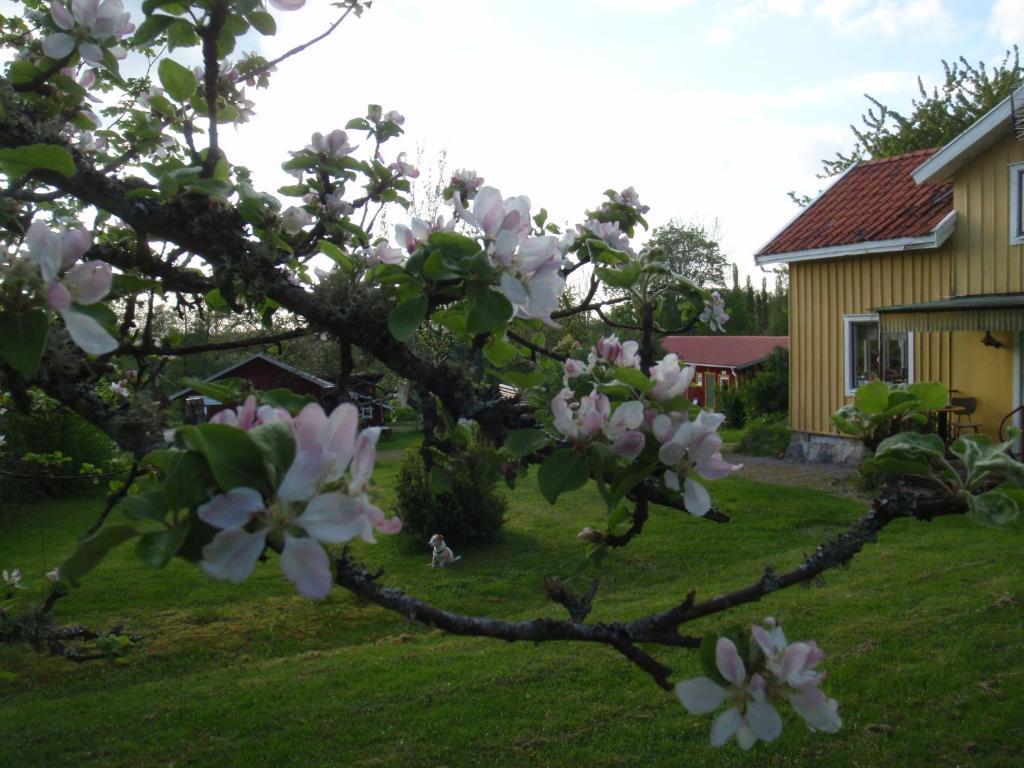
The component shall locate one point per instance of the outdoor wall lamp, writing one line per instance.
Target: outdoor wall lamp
(991, 341)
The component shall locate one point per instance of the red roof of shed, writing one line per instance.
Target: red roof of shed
(875, 200)
(723, 351)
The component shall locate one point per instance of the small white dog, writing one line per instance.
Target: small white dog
(443, 555)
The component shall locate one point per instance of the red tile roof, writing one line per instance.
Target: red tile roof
(876, 200)
(723, 351)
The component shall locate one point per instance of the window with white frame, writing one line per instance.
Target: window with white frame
(1017, 204)
(874, 356)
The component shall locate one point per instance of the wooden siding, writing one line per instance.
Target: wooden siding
(977, 259)
(983, 259)
(822, 292)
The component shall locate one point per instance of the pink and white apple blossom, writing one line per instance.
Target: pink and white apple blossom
(531, 277)
(694, 447)
(90, 26)
(11, 578)
(83, 283)
(775, 672)
(322, 499)
(714, 314)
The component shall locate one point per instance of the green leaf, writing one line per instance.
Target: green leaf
(452, 246)
(564, 470)
(230, 390)
(263, 22)
(521, 442)
(186, 477)
(623, 277)
(489, 311)
(931, 395)
(179, 81)
(519, 379)
(23, 339)
(156, 548)
(438, 267)
(151, 28)
(405, 318)
(911, 444)
(635, 378)
(499, 352)
(90, 551)
(233, 457)
(149, 505)
(873, 397)
(285, 398)
(277, 445)
(994, 509)
(46, 157)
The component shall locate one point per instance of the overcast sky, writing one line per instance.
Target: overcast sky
(712, 109)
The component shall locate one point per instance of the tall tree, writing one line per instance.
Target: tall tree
(691, 249)
(936, 118)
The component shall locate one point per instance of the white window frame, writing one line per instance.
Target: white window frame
(848, 322)
(1016, 204)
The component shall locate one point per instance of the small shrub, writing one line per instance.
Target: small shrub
(730, 404)
(768, 390)
(765, 436)
(50, 452)
(472, 513)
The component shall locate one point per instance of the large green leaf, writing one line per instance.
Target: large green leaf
(156, 548)
(994, 509)
(90, 551)
(564, 470)
(277, 445)
(872, 397)
(23, 339)
(285, 398)
(405, 318)
(453, 247)
(233, 457)
(931, 395)
(523, 441)
(148, 505)
(489, 311)
(222, 390)
(47, 157)
(178, 80)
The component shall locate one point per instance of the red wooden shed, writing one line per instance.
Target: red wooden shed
(721, 361)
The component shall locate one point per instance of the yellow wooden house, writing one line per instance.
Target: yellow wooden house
(910, 268)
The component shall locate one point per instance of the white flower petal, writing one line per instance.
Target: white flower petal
(87, 333)
(232, 509)
(232, 554)
(701, 695)
(58, 45)
(726, 724)
(334, 518)
(307, 566)
(763, 720)
(696, 498)
(89, 281)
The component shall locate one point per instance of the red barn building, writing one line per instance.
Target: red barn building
(721, 361)
(264, 372)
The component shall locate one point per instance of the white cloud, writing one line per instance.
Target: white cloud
(1007, 21)
(718, 35)
(887, 17)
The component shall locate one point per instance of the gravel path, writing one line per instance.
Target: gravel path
(833, 478)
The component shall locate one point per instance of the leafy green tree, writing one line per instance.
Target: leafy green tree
(692, 250)
(936, 118)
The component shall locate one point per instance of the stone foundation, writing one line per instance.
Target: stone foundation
(824, 449)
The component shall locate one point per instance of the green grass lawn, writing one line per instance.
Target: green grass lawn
(925, 636)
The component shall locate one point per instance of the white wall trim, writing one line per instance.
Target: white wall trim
(848, 323)
(985, 132)
(933, 239)
(1016, 204)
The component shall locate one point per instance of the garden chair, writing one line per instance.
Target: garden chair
(964, 420)
(1004, 428)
